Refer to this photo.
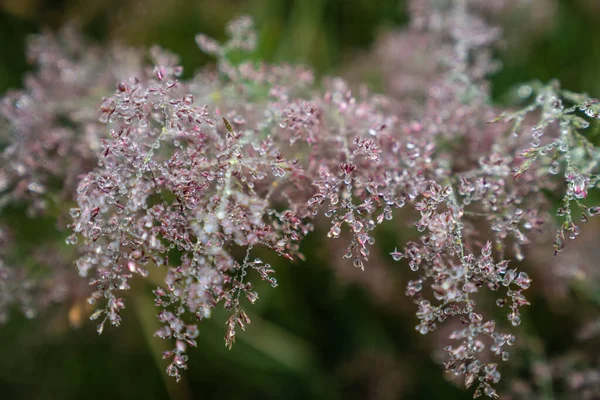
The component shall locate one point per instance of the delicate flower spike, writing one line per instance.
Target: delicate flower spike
(189, 184)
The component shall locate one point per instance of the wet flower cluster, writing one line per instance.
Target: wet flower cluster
(52, 130)
(50, 136)
(186, 183)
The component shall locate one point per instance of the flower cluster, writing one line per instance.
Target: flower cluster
(188, 183)
(59, 101)
(560, 144)
(50, 136)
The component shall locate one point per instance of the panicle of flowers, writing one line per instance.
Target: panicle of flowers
(561, 145)
(454, 111)
(196, 175)
(190, 187)
(49, 136)
(466, 198)
(359, 181)
(191, 181)
(241, 39)
(453, 274)
(52, 131)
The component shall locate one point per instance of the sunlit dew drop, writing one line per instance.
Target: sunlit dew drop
(278, 172)
(563, 146)
(593, 211)
(335, 231)
(554, 167)
(71, 239)
(36, 188)
(524, 91)
(537, 131)
(515, 320)
(96, 314)
(358, 263)
(510, 340)
(583, 124)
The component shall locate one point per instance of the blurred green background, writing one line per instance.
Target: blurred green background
(326, 332)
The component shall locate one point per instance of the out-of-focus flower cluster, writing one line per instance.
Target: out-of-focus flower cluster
(53, 132)
(15, 287)
(186, 182)
(50, 135)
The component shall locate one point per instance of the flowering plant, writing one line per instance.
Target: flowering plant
(188, 183)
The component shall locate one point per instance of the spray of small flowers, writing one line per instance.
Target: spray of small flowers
(185, 183)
